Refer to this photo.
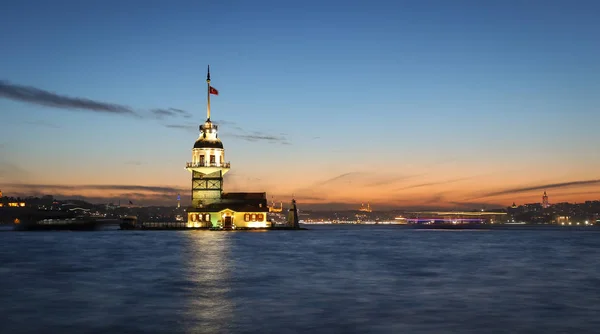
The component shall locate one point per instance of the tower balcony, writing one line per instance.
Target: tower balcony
(207, 164)
(209, 126)
(207, 168)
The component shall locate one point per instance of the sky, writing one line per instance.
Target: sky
(453, 104)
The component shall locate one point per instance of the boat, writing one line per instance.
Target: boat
(46, 221)
(449, 226)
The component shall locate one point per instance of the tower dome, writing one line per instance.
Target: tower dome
(202, 143)
(208, 136)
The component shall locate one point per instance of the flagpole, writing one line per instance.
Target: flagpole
(208, 94)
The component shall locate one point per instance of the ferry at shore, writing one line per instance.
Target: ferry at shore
(58, 224)
(40, 220)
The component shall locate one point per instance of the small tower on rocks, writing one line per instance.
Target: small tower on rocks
(293, 219)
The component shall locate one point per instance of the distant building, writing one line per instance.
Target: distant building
(455, 216)
(274, 208)
(532, 207)
(545, 203)
(563, 220)
(364, 208)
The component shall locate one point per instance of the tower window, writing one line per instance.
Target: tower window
(260, 217)
(247, 217)
(207, 217)
(202, 159)
(253, 218)
(212, 159)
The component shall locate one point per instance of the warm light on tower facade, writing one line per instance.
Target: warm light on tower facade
(208, 166)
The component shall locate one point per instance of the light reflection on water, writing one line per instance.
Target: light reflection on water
(326, 280)
(208, 270)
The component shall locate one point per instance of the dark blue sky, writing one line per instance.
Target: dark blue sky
(314, 89)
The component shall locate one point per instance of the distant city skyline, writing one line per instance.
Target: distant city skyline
(280, 205)
(407, 104)
(165, 200)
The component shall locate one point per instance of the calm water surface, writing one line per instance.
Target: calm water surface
(330, 279)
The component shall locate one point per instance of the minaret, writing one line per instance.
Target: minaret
(208, 160)
(545, 203)
(178, 201)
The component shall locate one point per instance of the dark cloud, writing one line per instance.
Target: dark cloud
(254, 138)
(378, 206)
(137, 196)
(181, 112)
(434, 199)
(577, 193)
(195, 127)
(468, 205)
(258, 136)
(142, 199)
(242, 134)
(287, 198)
(224, 122)
(171, 112)
(46, 98)
(41, 187)
(308, 198)
(158, 189)
(542, 187)
(305, 204)
(390, 180)
(140, 195)
(428, 184)
(346, 176)
(308, 191)
(188, 127)
(437, 183)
